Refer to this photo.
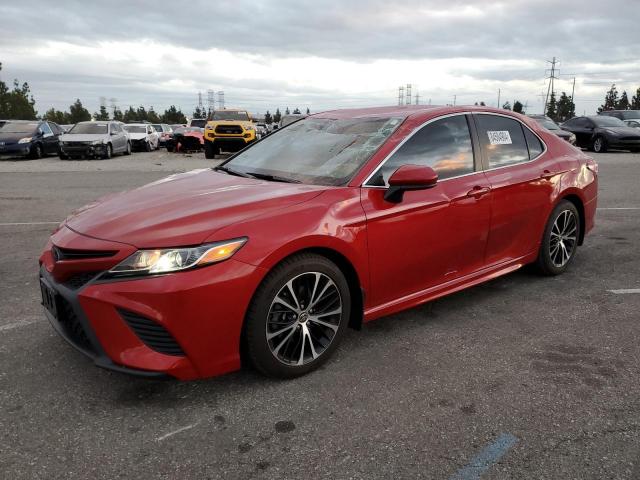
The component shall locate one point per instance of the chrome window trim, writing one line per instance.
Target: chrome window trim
(431, 120)
(413, 132)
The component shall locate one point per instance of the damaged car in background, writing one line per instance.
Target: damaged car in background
(94, 140)
(186, 139)
(143, 136)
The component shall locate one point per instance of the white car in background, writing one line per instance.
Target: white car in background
(143, 136)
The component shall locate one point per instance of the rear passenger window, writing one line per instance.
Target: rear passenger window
(502, 139)
(444, 145)
(534, 143)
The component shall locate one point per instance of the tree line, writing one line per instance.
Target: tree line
(613, 102)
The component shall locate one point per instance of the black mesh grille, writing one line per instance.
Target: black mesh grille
(71, 325)
(80, 279)
(70, 254)
(152, 334)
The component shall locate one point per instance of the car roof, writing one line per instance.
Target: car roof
(407, 111)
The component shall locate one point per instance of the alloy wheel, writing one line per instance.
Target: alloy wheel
(304, 318)
(597, 145)
(563, 240)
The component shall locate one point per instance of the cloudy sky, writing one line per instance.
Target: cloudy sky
(317, 54)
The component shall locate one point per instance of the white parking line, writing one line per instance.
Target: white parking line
(13, 224)
(170, 434)
(625, 290)
(21, 323)
(618, 208)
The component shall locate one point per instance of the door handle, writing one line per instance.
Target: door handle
(478, 191)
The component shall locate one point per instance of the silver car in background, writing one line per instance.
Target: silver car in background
(95, 140)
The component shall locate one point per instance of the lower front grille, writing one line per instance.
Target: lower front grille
(71, 324)
(80, 279)
(152, 334)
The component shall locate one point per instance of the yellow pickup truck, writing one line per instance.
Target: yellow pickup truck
(228, 130)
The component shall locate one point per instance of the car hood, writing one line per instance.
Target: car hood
(184, 209)
(81, 137)
(561, 133)
(14, 137)
(622, 130)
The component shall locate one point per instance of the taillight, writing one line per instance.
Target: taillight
(592, 165)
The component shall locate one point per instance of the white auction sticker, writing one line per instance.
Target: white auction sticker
(499, 137)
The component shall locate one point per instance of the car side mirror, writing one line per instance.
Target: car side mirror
(409, 177)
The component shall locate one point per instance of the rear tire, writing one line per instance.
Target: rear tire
(127, 150)
(560, 239)
(297, 316)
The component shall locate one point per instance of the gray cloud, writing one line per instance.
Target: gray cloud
(582, 33)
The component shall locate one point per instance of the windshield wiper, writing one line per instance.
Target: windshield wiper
(272, 178)
(230, 172)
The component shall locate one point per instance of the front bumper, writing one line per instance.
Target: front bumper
(15, 150)
(83, 150)
(202, 310)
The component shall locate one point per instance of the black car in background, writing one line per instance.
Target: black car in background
(601, 132)
(33, 139)
(554, 128)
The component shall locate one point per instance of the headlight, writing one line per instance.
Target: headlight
(97, 142)
(25, 140)
(612, 132)
(572, 138)
(149, 262)
(249, 127)
(209, 127)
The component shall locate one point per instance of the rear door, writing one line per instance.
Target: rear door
(435, 235)
(522, 175)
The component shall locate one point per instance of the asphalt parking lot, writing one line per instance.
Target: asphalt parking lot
(522, 377)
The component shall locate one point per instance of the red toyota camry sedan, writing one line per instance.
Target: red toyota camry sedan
(331, 222)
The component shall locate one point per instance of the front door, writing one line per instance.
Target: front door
(431, 236)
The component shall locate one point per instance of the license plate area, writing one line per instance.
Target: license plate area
(49, 299)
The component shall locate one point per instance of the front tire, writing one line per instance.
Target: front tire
(108, 152)
(297, 316)
(599, 144)
(127, 150)
(209, 150)
(560, 239)
(36, 151)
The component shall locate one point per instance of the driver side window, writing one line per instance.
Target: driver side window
(444, 145)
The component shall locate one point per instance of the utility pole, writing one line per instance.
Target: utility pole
(552, 77)
(400, 95)
(498, 106)
(455, 97)
(409, 97)
(417, 98)
(211, 101)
